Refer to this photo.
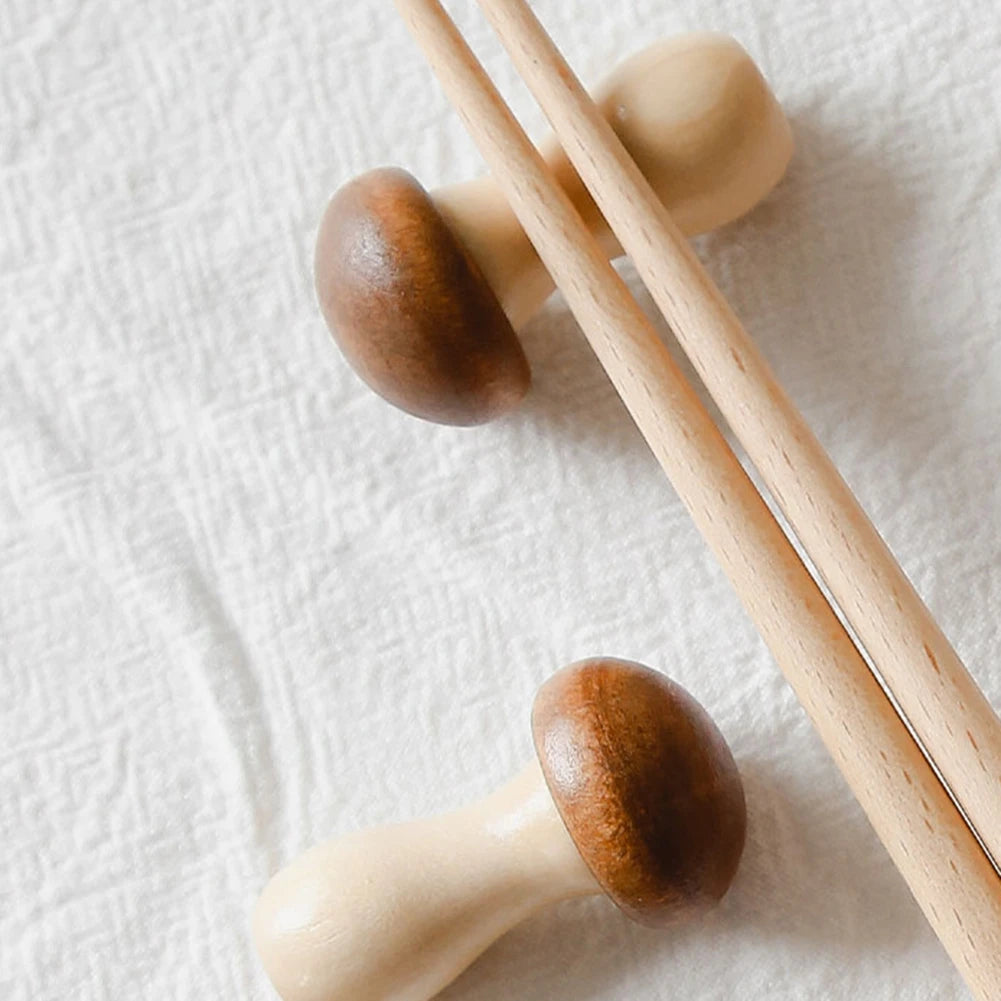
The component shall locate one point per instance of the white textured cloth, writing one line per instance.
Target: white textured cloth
(245, 605)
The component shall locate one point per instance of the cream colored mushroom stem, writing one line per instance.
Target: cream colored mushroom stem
(701, 123)
(396, 913)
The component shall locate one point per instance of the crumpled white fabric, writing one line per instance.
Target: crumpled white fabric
(245, 605)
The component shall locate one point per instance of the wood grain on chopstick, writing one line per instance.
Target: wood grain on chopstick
(947, 871)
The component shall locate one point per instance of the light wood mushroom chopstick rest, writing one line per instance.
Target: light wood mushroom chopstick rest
(634, 794)
(712, 149)
(948, 871)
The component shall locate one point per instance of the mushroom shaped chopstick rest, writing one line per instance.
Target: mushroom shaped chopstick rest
(634, 793)
(423, 292)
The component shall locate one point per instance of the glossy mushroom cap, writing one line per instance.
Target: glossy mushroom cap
(409, 307)
(646, 786)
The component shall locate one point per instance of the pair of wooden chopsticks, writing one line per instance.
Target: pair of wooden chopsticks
(946, 868)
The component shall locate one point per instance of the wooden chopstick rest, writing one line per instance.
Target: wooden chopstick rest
(423, 292)
(634, 793)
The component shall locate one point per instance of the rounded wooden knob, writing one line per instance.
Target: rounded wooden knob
(409, 306)
(634, 793)
(645, 784)
(423, 292)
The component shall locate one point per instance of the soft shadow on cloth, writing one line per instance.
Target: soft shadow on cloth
(822, 275)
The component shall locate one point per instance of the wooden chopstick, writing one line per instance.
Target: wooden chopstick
(949, 874)
(950, 714)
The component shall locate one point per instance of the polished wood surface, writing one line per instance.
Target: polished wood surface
(700, 121)
(396, 913)
(409, 307)
(645, 784)
(421, 291)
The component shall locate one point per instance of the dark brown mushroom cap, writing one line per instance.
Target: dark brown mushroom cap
(409, 306)
(646, 785)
